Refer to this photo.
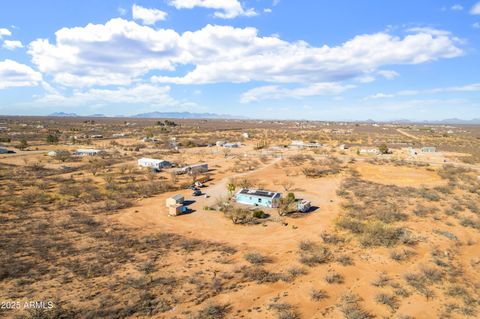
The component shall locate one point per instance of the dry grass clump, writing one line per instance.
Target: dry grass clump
(388, 300)
(332, 238)
(382, 280)
(213, 311)
(256, 258)
(402, 254)
(312, 254)
(261, 275)
(284, 311)
(371, 210)
(351, 308)
(318, 294)
(334, 277)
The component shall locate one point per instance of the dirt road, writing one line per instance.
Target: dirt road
(407, 134)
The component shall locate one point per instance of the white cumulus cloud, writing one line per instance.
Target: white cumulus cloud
(14, 74)
(225, 9)
(120, 52)
(4, 32)
(227, 54)
(388, 74)
(148, 16)
(12, 44)
(475, 9)
(456, 7)
(111, 54)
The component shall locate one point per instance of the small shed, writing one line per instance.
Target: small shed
(176, 210)
(175, 200)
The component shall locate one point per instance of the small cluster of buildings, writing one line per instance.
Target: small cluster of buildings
(301, 144)
(369, 151)
(427, 149)
(150, 139)
(226, 144)
(116, 135)
(158, 164)
(88, 152)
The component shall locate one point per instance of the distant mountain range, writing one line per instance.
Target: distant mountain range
(188, 115)
(151, 115)
(63, 114)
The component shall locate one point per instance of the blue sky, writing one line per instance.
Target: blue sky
(323, 60)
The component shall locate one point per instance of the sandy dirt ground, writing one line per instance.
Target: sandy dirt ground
(280, 241)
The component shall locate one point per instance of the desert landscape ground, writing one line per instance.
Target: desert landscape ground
(393, 230)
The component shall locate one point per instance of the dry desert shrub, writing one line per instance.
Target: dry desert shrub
(333, 277)
(312, 254)
(318, 294)
(351, 308)
(256, 258)
(213, 311)
(284, 311)
(388, 300)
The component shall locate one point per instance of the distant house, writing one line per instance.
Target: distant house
(96, 136)
(245, 135)
(88, 152)
(429, 149)
(373, 151)
(343, 146)
(193, 169)
(150, 139)
(153, 163)
(412, 151)
(301, 144)
(258, 197)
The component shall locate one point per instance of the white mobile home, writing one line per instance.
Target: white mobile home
(153, 163)
(192, 169)
(88, 152)
(302, 144)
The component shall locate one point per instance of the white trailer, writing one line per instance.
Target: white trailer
(153, 163)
